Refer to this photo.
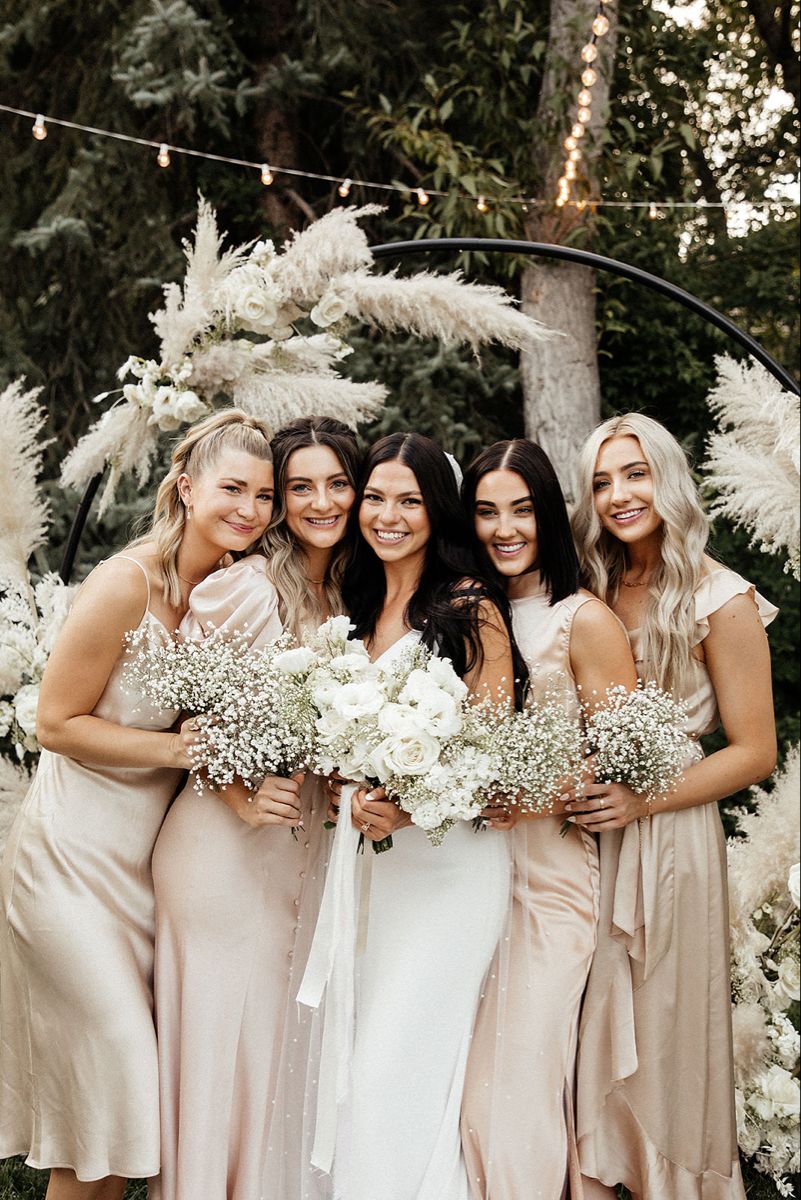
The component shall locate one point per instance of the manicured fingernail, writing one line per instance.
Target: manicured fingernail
(571, 819)
(564, 797)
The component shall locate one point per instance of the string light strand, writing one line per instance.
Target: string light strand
(267, 172)
(572, 143)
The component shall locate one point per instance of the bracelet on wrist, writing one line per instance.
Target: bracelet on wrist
(648, 811)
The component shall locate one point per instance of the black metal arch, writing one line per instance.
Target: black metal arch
(501, 246)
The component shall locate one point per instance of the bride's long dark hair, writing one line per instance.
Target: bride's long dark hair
(446, 605)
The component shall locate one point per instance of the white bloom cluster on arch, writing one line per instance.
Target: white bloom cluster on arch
(264, 329)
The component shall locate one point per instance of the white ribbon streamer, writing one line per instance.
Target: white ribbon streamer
(331, 974)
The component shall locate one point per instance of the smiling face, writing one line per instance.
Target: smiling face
(393, 518)
(623, 490)
(230, 502)
(505, 523)
(318, 496)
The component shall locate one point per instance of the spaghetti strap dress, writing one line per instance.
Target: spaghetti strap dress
(518, 1127)
(655, 1066)
(78, 1067)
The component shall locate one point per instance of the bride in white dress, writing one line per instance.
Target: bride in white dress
(432, 916)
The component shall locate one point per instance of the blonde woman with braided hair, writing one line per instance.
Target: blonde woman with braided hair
(236, 874)
(655, 1093)
(78, 1062)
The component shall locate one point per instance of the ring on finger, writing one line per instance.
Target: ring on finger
(602, 803)
(366, 827)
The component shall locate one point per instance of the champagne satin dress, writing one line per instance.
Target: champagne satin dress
(78, 1070)
(655, 1075)
(227, 903)
(517, 1112)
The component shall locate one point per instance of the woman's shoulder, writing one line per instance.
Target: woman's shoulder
(590, 616)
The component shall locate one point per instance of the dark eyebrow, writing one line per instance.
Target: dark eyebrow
(400, 496)
(242, 482)
(305, 478)
(628, 466)
(514, 503)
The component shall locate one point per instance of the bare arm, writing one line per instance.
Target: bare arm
(111, 602)
(493, 676)
(738, 661)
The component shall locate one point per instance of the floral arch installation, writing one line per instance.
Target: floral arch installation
(585, 258)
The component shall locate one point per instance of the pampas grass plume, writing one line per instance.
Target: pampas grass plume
(24, 513)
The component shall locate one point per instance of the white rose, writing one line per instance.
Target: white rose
(401, 720)
(329, 308)
(295, 662)
(793, 883)
(355, 700)
(254, 305)
(26, 702)
(189, 406)
(354, 763)
(414, 754)
(442, 672)
(778, 1095)
(350, 664)
(788, 985)
(164, 409)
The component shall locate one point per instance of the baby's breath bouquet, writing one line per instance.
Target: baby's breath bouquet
(637, 738)
(254, 707)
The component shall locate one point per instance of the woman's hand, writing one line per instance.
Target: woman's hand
(375, 816)
(186, 743)
(600, 807)
(332, 787)
(277, 802)
(501, 816)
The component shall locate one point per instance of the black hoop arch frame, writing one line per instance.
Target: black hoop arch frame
(585, 258)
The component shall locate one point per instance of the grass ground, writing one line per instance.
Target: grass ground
(17, 1182)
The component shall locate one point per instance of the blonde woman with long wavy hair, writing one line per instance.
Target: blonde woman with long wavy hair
(655, 1077)
(235, 873)
(78, 1064)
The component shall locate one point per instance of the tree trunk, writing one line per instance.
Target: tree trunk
(561, 388)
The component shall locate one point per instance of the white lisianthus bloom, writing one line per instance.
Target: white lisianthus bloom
(778, 1095)
(402, 720)
(26, 702)
(350, 664)
(442, 672)
(189, 407)
(355, 700)
(164, 409)
(336, 629)
(413, 754)
(329, 308)
(263, 253)
(295, 662)
(352, 764)
(10, 670)
(439, 708)
(133, 365)
(793, 883)
(139, 394)
(788, 985)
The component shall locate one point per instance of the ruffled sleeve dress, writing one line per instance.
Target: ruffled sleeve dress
(227, 902)
(78, 1070)
(655, 1075)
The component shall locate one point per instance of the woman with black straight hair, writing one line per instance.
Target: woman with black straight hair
(522, 1058)
(435, 913)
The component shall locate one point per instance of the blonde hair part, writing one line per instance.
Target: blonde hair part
(669, 623)
(199, 449)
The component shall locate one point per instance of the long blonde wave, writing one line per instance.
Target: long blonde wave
(199, 449)
(669, 623)
(298, 604)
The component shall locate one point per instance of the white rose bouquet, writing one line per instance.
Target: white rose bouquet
(254, 706)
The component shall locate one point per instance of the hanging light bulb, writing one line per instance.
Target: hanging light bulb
(570, 143)
(590, 52)
(39, 130)
(163, 156)
(577, 131)
(481, 204)
(584, 115)
(653, 212)
(564, 184)
(600, 25)
(585, 97)
(344, 187)
(266, 174)
(588, 77)
(422, 197)
(561, 201)
(570, 170)
(574, 155)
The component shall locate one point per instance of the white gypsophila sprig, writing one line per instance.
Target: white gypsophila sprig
(256, 715)
(24, 512)
(637, 738)
(753, 461)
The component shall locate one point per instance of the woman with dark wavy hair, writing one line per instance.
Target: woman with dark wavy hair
(435, 913)
(517, 1115)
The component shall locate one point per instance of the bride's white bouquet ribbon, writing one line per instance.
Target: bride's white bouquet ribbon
(331, 976)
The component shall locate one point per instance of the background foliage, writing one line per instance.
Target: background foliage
(438, 94)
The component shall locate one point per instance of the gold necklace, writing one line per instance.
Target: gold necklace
(639, 583)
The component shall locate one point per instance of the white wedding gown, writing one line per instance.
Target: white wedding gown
(433, 919)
